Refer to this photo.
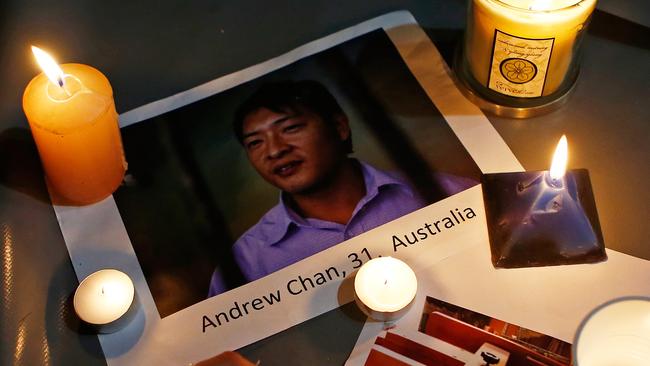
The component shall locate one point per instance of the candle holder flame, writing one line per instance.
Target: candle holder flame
(534, 220)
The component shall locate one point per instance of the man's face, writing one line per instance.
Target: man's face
(295, 151)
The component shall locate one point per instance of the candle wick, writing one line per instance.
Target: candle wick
(557, 182)
(61, 83)
(102, 290)
(386, 282)
(522, 186)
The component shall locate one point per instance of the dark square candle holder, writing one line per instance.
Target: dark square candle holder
(534, 220)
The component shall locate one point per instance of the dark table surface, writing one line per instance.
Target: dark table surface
(151, 50)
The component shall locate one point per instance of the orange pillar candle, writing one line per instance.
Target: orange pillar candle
(72, 116)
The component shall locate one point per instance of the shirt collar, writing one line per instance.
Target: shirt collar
(282, 217)
(376, 179)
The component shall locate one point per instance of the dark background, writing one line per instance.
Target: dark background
(152, 49)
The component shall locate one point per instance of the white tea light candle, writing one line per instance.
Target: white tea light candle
(105, 300)
(385, 288)
(615, 333)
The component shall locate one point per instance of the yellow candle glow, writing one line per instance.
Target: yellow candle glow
(72, 116)
(524, 48)
(385, 288)
(560, 159)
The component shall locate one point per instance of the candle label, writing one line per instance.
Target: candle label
(519, 65)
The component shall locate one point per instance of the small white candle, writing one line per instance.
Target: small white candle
(105, 299)
(615, 333)
(385, 288)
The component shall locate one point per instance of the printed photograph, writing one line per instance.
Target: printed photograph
(229, 189)
(450, 335)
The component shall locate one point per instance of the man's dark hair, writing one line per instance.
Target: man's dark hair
(285, 96)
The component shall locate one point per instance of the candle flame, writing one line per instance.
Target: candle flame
(49, 66)
(540, 5)
(560, 157)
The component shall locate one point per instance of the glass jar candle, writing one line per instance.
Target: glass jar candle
(521, 56)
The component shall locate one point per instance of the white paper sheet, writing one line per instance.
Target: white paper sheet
(549, 300)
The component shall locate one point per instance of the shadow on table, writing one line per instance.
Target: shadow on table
(614, 28)
(20, 165)
(447, 42)
(323, 340)
(61, 320)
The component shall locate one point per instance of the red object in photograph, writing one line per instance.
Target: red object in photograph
(470, 338)
(416, 351)
(377, 358)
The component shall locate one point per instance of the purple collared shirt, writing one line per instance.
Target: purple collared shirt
(282, 237)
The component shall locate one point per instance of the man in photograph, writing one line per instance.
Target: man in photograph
(298, 139)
